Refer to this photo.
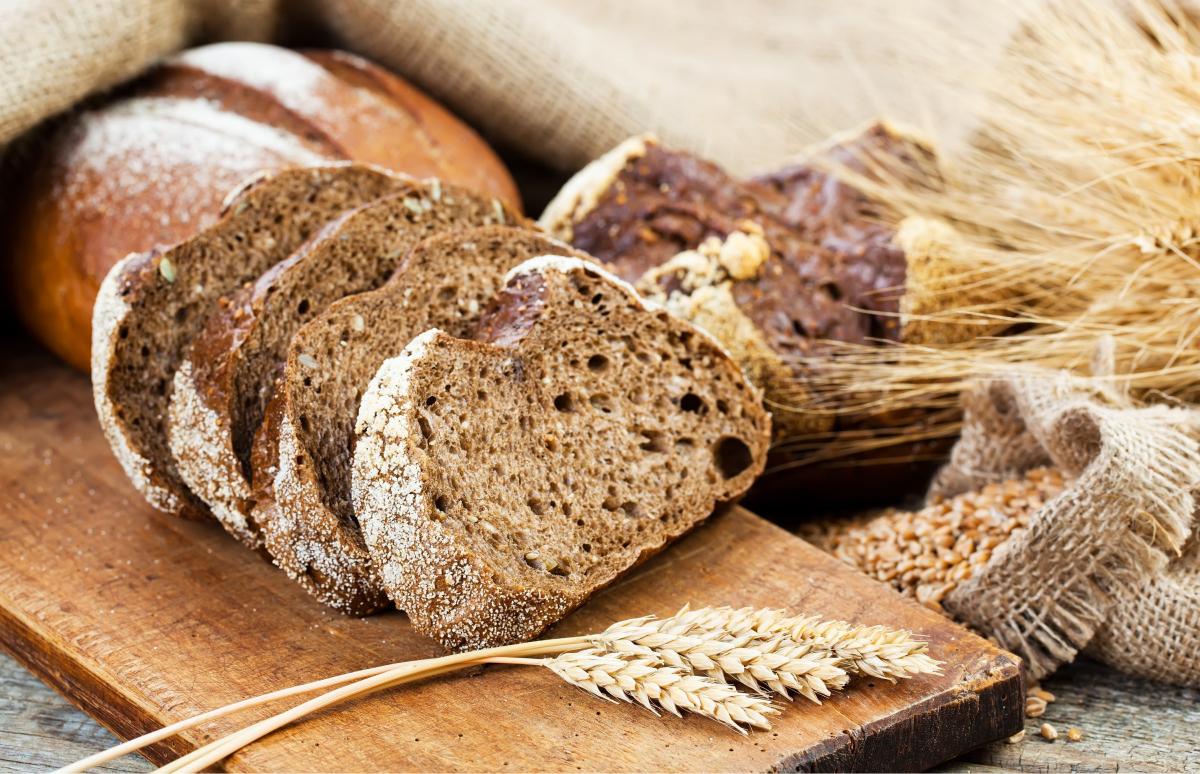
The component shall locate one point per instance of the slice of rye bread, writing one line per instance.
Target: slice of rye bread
(500, 482)
(303, 451)
(151, 305)
(222, 386)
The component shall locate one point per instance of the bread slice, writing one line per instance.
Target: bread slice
(223, 385)
(303, 452)
(500, 482)
(151, 305)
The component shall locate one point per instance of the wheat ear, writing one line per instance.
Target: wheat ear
(648, 682)
(875, 651)
(777, 664)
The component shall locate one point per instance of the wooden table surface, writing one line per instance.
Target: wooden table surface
(1128, 725)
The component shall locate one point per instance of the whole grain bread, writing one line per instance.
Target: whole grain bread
(502, 481)
(151, 305)
(302, 454)
(222, 387)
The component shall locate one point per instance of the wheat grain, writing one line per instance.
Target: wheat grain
(651, 684)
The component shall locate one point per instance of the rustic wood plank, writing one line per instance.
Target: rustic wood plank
(142, 619)
(1128, 725)
(40, 730)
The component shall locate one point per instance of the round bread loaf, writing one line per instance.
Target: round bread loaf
(153, 166)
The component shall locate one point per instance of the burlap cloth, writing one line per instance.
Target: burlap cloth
(1111, 565)
(746, 82)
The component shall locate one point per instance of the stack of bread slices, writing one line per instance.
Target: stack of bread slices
(400, 390)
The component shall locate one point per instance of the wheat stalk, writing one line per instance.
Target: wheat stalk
(1074, 208)
(692, 662)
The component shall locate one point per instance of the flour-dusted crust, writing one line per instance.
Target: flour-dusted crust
(108, 314)
(307, 533)
(152, 304)
(581, 193)
(435, 543)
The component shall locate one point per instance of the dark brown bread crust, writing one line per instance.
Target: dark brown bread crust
(302, 452)
(830, 261)
(501, 482)
(152, 305)
(836, 273)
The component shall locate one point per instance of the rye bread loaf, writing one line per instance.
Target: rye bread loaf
(777, 268)
(151, 306)
(222, 386)
(500, 482)
(303, 451)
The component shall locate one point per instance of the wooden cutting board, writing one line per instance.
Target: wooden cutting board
(141, 620)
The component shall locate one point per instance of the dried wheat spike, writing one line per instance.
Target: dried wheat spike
(649, 683)
(870, 650)
(777, 664)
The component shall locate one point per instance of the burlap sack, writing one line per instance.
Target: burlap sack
(746, 82)
(1102, 566)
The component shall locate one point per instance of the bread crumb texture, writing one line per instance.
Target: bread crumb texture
(499, 482)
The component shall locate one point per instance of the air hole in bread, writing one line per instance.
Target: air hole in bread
(610, 504)
(685, 442)
(732, 456)
(304, 422)
(536, 505)
(655, 441)
(586, 548)
(597, 363)
(432, 399)
(642, 356)
(722, 406)
(631, 509)
(601, 403)
(564, 402)
(799, 329)
(181, 314)
(145, 351)
(441, 503)
(447, 293)
(560, 570)
(832, 290)
(596, 299)
(693, 403)
(303, 307)
(426, 430)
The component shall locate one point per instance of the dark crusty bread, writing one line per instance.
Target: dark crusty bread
(500, 482)
(302, 454)
(223, 385)
(151, 305)
(777, 268)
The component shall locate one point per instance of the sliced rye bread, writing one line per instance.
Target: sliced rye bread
(302, 454)
(222, 386)
(500, 482)
(151, 305)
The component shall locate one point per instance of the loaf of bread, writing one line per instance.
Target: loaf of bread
(302, 454)
(776, 268)
(152, 165)
(502, 481)
(152, 305)
(222, 386)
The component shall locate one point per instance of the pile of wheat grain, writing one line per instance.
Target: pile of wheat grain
(926, 553)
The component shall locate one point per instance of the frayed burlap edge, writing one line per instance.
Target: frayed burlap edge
(1047, 592)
